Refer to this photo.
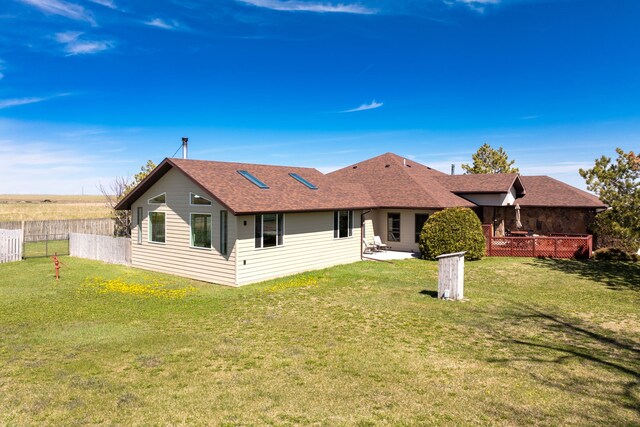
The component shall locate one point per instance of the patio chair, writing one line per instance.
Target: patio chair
(379, 245)
(368, 248)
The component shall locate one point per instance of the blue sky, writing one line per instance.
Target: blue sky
(90, 90)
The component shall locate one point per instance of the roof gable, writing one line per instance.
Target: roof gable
(223, 182)
(483, 183)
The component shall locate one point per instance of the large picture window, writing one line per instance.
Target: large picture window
(420, 220)
(393, 227)
(157, 227)
(201, 230)
(342, 224)
(269, 230)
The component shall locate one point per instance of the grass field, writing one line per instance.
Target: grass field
(539, 342)
(30, 207)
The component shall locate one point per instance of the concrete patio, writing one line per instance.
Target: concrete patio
(389, 255)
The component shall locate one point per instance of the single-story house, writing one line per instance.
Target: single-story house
(238, 223)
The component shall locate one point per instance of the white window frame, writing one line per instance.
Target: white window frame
(149, 202)
(151, 228)
(191, 194)
(191, 245)
(139, 220)
(284, 229)
(350, 220)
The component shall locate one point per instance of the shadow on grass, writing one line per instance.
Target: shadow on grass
(561, 341)
(432, 294)
(616, 275)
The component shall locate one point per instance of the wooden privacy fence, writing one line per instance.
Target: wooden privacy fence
(102, 226)
(541, 246)
(114, 250)
(10, 245)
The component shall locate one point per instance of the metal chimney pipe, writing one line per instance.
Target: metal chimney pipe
(453, 168)
(185, 140)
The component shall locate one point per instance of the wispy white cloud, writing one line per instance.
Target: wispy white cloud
(62, 8)
(14, 102)
(304, 6)
(106, 3)
(371, 106)
(75, 45)
(476, 5)
(159, 23)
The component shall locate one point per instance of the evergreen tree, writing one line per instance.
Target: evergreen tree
(617, 185)
(488, 160)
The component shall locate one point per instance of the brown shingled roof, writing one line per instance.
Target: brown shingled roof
(395, 182)
(222, 181)
(483, 183)
(548, 192)
(385, 181)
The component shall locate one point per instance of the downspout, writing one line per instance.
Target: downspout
(362, 233)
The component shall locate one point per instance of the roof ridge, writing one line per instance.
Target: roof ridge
(173, 159)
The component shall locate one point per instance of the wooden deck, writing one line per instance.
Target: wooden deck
(555, 246)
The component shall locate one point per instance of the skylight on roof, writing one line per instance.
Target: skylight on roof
(253, 179)
(303, 181)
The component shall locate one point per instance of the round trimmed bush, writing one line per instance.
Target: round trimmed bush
(452, 230)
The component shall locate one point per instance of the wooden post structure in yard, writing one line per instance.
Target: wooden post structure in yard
(451, 276)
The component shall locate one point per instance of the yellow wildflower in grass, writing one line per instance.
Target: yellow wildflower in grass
(300, 282)
(153, 289)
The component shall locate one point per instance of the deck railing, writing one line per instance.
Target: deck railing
(541, 246)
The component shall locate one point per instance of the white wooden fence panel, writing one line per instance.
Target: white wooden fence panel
(114, 250)
(103, 226)
(10, 245)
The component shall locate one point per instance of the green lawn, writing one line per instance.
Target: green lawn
(539, 342)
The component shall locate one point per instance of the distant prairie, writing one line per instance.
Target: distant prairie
(32, 207)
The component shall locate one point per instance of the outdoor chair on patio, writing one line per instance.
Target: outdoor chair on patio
(368, 248)
(379, 245)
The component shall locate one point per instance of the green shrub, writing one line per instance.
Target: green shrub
(452, 230)
(615, 254)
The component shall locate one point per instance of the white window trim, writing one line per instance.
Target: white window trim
(149, 202)
(191, 231)
(150, 231)
(140, 220)
(206, 198)
(284, 232)
(353, 215)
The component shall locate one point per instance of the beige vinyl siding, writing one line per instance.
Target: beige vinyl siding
(369, 230)
(308, 245)
(407, 227)
(175, 256)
